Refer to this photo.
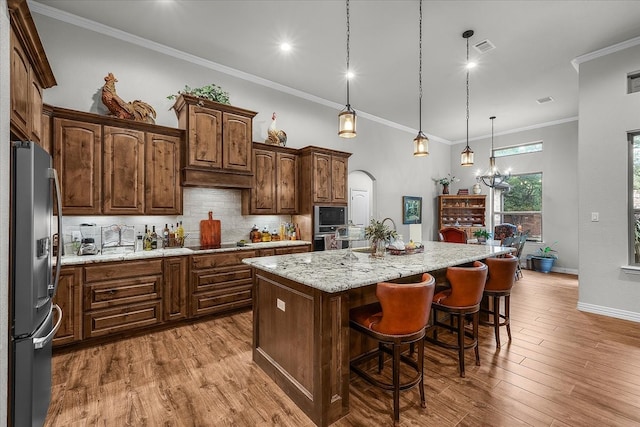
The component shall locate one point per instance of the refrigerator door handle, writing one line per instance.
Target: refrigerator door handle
(39, 343)
(53, 288)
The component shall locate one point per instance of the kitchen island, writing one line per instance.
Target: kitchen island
(301, 308)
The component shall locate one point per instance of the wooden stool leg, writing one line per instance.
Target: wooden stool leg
(476, 320)
(496, 318)
(507, 314)
(396, 384)
(461, 343)
(423, 401)
(380, 357)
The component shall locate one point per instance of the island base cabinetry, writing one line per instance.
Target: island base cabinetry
(301, 341)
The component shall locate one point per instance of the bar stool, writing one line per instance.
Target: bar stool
(500, 280)
(460, 302)
(398, 319)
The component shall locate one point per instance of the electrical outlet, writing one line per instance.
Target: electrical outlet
(595, 216)
(280, 304)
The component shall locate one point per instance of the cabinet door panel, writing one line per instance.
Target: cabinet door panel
(77, 154)
(237, 142)
(69, 298)
(322, 178)
(20, 67)
(338, 180)
(175, 288)
(287, 183)
(163, 193)
(206, 131)
(123, 159)
(264, 189)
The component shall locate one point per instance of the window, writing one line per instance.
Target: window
(634, 199)
(521, 204)
(531, 147)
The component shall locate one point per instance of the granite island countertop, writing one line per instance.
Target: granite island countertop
(159, 253)
(330, 271)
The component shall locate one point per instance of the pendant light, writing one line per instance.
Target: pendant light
(492, 177)
(347, 117)
(466, 158)
(420, 142)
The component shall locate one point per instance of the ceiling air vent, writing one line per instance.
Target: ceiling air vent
(484, 46)
(544, 100)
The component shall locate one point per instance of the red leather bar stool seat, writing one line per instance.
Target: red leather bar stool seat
(453, 235)
(500, 280)
(398, 319)
(461, 303)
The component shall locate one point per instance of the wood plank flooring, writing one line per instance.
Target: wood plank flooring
(563, 368)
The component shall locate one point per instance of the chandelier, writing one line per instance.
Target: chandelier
(492, 177)
(347, 117)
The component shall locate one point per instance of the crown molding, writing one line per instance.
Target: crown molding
(603, 52)
(88, 24)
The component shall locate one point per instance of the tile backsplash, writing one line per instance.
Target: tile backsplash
(197, 202)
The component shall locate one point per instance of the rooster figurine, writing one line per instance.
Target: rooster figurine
(136, 110)
(275, 136)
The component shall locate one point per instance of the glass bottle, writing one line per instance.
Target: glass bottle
(154, 238)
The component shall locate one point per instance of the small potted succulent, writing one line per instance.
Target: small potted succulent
(543, 258)
(379, 234)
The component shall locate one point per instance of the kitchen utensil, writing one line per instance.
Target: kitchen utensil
(210, 232)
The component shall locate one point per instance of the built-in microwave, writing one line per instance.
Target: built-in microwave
(327, 218)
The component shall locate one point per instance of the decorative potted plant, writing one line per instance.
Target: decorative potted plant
(445, 182)
(379, 234)
(482, 235)
(210, 92)
(544, 258)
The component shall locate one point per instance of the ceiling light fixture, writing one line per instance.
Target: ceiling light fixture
(347, 117)
(492, 177)
(466, 157)
(420, 142)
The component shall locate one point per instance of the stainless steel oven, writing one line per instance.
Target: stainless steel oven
(326, 220)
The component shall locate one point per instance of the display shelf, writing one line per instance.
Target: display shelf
(467, 212)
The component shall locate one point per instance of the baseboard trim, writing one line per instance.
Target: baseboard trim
(610, 312)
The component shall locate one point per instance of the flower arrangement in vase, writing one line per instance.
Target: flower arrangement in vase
(378, 234)
(445, 182)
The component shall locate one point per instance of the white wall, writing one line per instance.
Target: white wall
(81, 58)
(607, 113)
(4, 202)
(558, 163)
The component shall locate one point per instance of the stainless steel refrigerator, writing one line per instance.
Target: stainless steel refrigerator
(33, 284)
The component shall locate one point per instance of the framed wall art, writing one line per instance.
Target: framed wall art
(411, 210)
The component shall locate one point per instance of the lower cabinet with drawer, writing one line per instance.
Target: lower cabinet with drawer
(122, 296)
(220, 282)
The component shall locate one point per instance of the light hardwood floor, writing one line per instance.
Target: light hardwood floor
(563, 368)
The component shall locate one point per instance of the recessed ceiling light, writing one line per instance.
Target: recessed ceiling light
(350, 75)
(285, 47)
(471, 65)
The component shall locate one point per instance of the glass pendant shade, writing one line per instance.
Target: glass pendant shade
(421, 145)
(466, 157)
(347, 123)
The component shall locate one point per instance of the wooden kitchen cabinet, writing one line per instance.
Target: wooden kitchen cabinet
(218, 146)
(174, 297)
(123, 179)
(122, 296)
(77, 155)
(116, 167)
(220, 282)
(163, 192)
(324, 174)
(69, 299)
(274, 188)
(30, 73)
(464, 212)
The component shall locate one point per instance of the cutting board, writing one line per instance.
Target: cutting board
(210, 232)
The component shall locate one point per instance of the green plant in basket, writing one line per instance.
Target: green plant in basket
(482, 234)
(211, 92)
